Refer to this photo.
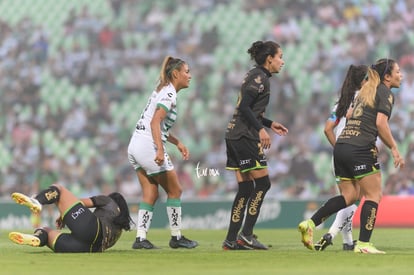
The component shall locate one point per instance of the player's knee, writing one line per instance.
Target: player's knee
(176, 193)
(50, 195)
(263, 183)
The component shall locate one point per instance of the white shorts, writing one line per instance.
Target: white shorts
(141, 154)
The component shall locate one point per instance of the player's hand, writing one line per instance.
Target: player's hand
(184, 151)
(159, 157)
(279, 129)
(398, 160)
(59, 223)
(264, 139)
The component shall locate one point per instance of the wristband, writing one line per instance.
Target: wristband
(267, 122)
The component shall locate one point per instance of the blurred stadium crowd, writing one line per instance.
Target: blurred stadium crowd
(74, 76)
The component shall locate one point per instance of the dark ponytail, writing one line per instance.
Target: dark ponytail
(123, 219)
(351, 84)
(260, 50)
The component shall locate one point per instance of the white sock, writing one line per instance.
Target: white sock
(174, 217)
(143, 223)
(347, 229)
(343, 223)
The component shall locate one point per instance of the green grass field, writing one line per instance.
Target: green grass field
(286, 255)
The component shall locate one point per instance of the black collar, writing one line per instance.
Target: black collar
(265, 71)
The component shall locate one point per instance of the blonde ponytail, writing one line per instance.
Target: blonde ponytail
(169, 65)
(163, 79)
(368, 91)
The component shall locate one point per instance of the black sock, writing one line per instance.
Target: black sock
(42, 235)
(368, 216)
(262, 185)
(245, 188)
(333, 205)
(49, 195)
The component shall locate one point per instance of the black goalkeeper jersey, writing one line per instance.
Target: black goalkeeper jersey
(106, 210)
(251, 104)
(361, 128)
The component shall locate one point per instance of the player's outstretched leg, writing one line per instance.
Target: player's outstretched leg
(32, 203)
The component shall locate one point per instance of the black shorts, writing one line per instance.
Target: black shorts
(244, 155)
(86, 231)
(354, 162)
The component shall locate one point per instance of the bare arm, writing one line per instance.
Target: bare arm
(384, 132)
(159, 116)
(181, 147)
(87, 202)
(329, 131)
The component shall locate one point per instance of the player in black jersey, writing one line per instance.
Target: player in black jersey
(89, 231)
(246, 140)
(356, 156)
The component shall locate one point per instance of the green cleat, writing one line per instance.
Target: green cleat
(366, 248)
(27, 239)
(306, 229)
(33, 204)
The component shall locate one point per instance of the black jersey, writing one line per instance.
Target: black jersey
(361, 128)
(251, 105)
(106, 210)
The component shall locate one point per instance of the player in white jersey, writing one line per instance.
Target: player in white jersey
(148, 155)
(142, 141)
(355, 78)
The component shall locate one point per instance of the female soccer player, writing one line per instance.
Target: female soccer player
(89, 231)
(148, 156)
(356, 156)
(354, 79)
(246, 140)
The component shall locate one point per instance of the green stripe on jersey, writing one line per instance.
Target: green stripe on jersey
(163, 106)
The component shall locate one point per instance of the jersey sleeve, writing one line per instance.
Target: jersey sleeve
(100, 200)
(247, 112)
(167, 100)
(249, 92)
(385, 101)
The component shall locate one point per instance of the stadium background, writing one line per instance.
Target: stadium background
(74, 76)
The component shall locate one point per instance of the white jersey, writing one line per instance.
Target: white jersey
(339, 121)
(166, 98)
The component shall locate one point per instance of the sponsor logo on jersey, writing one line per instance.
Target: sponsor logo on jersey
(245, 161)
(77, 213)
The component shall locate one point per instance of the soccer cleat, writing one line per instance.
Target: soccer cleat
(232, 245)
(348, 247)
(366, 248)
(27, 239)
(33, 204)
(250, 242)
(143, 244)
(182, 242)
(325, 241)
(306, 229)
